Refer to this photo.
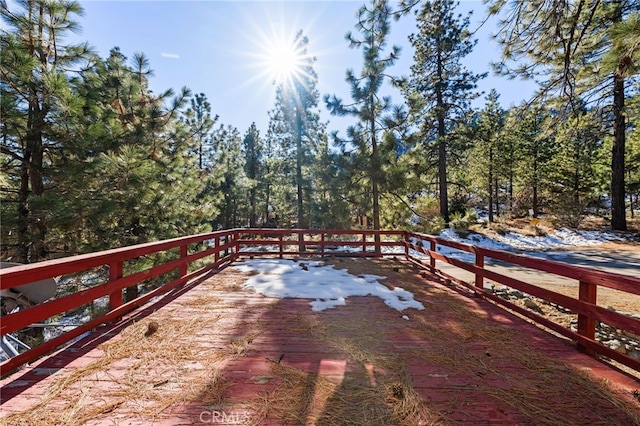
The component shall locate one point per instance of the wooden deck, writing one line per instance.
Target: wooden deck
(215, 353)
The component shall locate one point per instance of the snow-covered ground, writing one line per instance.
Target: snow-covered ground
(327, 286)
(544, 246)
(511, 241)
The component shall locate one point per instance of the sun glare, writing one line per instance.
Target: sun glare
(278, 55)
(283, 61)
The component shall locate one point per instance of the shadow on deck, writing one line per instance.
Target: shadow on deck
(213, 352)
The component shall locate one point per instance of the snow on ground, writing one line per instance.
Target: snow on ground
(538, 246)
(329, 287)
(559, 238)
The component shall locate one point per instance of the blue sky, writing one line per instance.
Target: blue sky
(219, 48)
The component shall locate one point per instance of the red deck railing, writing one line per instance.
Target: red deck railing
(216, 250)
(585, 305)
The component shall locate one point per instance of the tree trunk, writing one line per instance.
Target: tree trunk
(490, 189)
(252, 208)
(495, 184)
(511, 187)
(534, 185)
(300, 203)
(267, 197)
(32, 230)
(374, 183)
(442, 148)
(23, 210)
(618, 214)
(38, 220)
(131, 293)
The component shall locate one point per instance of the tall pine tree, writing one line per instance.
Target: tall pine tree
(252, 147)
(440, 88)
(368, 106)
(36, 66)
(296, 124)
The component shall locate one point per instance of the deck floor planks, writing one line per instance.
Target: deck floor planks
(450, 364)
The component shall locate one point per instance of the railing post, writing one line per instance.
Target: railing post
(364, 245)
(432, 260)
(322, 244)
(280, 236)
(405, 239)
(216, 244)
(479, 264)
(115, 273)
(586, 325)
(301, 246)
(184, 268)
(236, 245)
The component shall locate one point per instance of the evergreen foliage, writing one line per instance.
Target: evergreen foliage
(93, 159)
(364, 164)
(583, 52)
(296, 130)
(440, 87)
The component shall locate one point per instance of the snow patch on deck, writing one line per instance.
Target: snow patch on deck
(329, 287)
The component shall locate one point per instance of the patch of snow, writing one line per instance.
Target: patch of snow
(329, 287)
(482, 215)
(562, 237)
(267, 248)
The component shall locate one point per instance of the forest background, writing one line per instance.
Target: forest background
(92, 158)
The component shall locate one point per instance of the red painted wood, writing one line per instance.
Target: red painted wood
(479, 265)
(458, 393)
(620, 282)
(18, 275)
(115, 273)
(581, 307)
(587, 324)
(185, 266)
(15, 362)
(318, 244)
(585, 306)
(586, 309)
(232, 244)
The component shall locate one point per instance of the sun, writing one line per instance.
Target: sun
(278, 52)
(284, 62)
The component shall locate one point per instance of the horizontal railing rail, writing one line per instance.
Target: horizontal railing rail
(585, 305)
(218, 249)
(323, 242)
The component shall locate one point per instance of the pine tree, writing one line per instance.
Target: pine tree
(489, 150)
(35, 66)
(374, 26)
(329, 209)
(633, 156)
(199, 118)
(440, 88)
(582, 50)
(252, 147)
(536, 147)
(139, 159)
(228, 173)
(574, 168)
(298, 129)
